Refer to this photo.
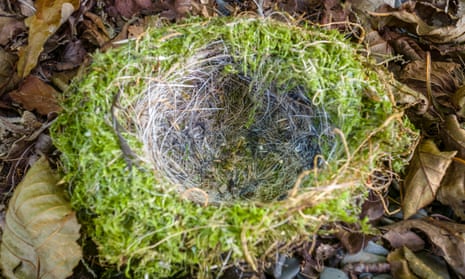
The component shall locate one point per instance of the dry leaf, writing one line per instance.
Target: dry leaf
(406, 264)
(9, 27)
(452, 191)
(34, 94)
(437, 27)
(378, 46)
(50, 15)
(399, 265)
(453, 135)
(458, 100)
(39, 240)
(426, 170)
(128, 8)
(8, 77)
(443, 76)
(446, 237)
(408, 239)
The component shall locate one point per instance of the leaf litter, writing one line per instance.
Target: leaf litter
(402, 35)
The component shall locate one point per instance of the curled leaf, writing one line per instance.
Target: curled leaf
(50, 15)
(39, 239)
(446, 237)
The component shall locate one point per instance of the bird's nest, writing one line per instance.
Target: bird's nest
(228, 114)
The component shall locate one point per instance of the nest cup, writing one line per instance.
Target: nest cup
(172, 143)
(222, 135)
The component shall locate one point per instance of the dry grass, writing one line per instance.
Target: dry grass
(223, 135)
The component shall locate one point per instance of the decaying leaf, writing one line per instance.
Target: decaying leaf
(399, 265)
(453, 135)
(445, 76)
(423, 179)
(34, 94)
(9, 27)
(50, 15)
(129, 8)
(458, 100)
(39, 239)
(434, 24)
(452, 191)
(408, 239)
(8, 77)
(406, 264)
(446, 237)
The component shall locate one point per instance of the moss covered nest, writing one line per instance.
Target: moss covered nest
(200, 145)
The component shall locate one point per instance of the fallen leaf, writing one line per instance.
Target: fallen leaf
(406, 264)
(378, 46)
(444, 76)
(452, 190)
(128, 8)
(10, 27)
(39, 240)
(407, 47)
(428, 22)
(8, 77)
(458, 100)
(399, 265)
(49, 16)
(408, 239)
(95, 31)
(453, 135)
(373, 207)
(34, 94)
(447, 238)
(426, 170)
(410, 98)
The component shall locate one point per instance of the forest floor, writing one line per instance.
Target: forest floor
(44, 43)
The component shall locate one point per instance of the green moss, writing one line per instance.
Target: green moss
(142, 224)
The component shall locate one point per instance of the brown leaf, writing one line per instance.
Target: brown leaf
(378, 46)
(34, 94)
(458, 100)
(10, 27)
(129, 8)
(39, 240)
(423, 179)
(447, 238)
(94, 30)
(50, 15)
(452, 190)
(408, 239)
(444, 75)
(8, 77)
(453, 135)
(408, 47)
(434, 25)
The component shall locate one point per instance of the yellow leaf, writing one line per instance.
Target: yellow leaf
(45, 22)
(39, 239)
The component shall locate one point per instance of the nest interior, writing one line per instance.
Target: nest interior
(227, 113)
(221, 135)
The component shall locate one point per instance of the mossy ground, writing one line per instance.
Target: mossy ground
(143, 225)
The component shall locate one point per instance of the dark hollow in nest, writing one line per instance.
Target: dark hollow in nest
(221, 135)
